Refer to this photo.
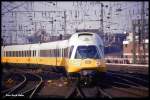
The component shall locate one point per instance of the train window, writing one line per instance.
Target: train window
(22, 53)
(61, 52)
(70, 51)
(17, 53)
(26, 53)
(9, 53)
(44, 53)
(29, 53)
(57, 52)
(65, 52)
(87, 52)
(6, 54)
(50, 52)
(14, 53)
(34, 52)
(54, 52)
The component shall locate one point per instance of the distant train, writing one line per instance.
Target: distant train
(82, 53)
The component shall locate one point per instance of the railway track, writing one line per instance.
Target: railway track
(130, 78)
(117, 85)
(139, 76)
(19, 82)
(27, 88)
(79, 91)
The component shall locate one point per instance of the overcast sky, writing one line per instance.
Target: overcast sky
(119, 21)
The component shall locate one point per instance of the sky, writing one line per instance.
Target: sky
(79, 15)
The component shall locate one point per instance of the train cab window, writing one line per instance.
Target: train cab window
(87, 52)
(101, 50)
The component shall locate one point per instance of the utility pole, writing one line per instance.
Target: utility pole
(65, 25)
(142, 33)
(134, 43)
(133, 36)
(101, 19)
(52, 26)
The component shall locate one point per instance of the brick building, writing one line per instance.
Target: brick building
(134, 51)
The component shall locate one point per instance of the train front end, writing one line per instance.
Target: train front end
(87, 56)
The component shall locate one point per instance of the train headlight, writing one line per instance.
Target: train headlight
(75, 62)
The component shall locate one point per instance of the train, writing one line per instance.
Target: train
(81, 54)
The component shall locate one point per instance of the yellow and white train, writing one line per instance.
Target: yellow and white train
(82, 53)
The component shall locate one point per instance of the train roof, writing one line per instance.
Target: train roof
(88, 38)
(48, 45)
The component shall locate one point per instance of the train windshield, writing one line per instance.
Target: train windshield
(84, 52)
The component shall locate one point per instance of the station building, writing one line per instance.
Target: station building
(133, 51)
